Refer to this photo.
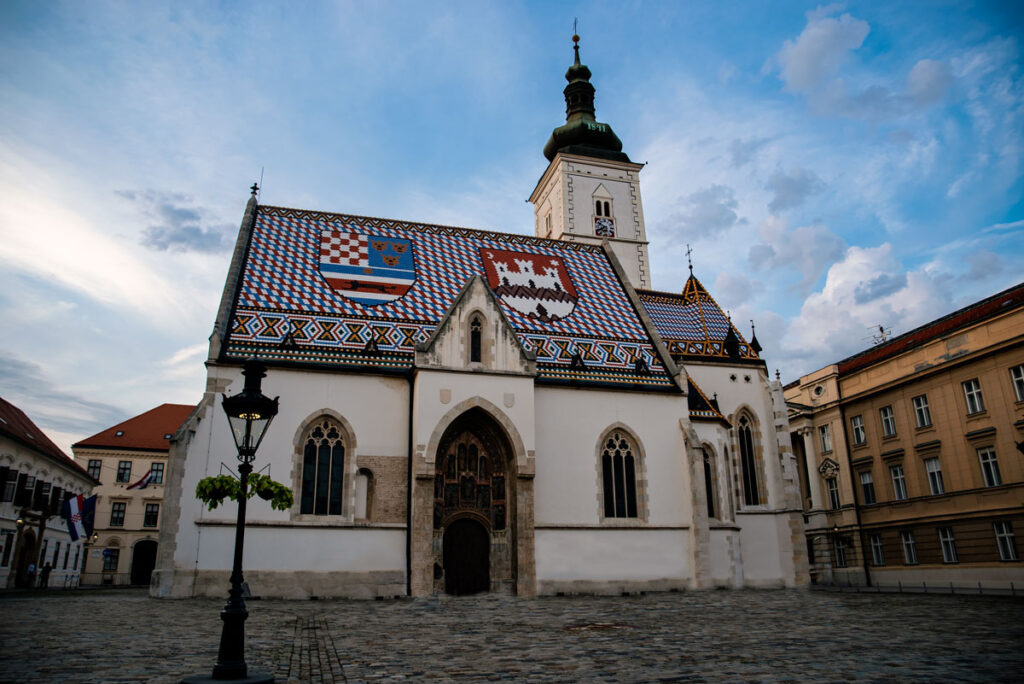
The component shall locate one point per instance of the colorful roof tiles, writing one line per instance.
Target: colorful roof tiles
(693, 325)
(325, 289)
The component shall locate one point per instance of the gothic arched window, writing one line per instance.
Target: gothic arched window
(618, 476)
(709, 481)
(748, 463)
(323, 469)
(476, 328)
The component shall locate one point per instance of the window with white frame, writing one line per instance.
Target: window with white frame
(1017, 378)
(1005, 540)
(989, 467)
(972, 393)
(857, 425)
(867, 486)
(124, 471)
(934, 470)
(899, 482)
(832, 485)
(877, 552)
(888, 421)
(152, 515)
(909, 547)
(922, 414)
(840, 546)
(117, 510)
(948, 545)
(111, 558)
(158, 473)
(825, 436)
(95, 465)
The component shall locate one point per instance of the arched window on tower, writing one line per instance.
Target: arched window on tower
(604, 224)
(323, 469)
(476, 328)
(618, 475)
(748, 463)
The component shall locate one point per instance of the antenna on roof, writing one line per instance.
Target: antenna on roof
(689, 261)
(261, 182)
(879, 335)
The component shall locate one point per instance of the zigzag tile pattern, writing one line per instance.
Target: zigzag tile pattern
(286, 311)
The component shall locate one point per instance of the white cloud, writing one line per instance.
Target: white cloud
(791, 189)
(707, 212)
(820, 49)
(809, 250)
(929, 81)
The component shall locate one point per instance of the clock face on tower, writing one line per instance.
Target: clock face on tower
(604, 226)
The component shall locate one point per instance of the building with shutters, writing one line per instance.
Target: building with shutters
(464, 410)
(129, 461)
(911, 454)
(36, 477)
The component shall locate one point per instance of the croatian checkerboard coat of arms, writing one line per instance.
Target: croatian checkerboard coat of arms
(366, 268)
(536, 285)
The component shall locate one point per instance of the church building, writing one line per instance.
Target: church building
(464, 410)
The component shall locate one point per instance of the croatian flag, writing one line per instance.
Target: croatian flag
(80, 514)
(144, 482)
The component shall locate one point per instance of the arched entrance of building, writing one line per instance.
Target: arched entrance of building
(143, 561)
(467, 557)
(26, 556)
(474, 501)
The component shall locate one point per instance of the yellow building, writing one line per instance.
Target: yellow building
(130, 461)
(912, 454)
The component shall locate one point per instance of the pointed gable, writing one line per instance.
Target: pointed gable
(694, 326)
(321, 289)
(702, 408)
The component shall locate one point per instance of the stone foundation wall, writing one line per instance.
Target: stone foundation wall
(389, 490)
(610, 587)
(286, 585)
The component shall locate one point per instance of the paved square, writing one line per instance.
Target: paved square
(124, 636)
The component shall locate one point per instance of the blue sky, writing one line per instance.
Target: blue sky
(835, 167)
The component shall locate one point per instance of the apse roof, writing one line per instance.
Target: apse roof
(149, 431)
(19, 427)
(693, 325)
(317, 287)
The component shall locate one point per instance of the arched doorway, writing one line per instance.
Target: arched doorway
(26, 556)
(143, 561)
(474, 544)
(467, 557)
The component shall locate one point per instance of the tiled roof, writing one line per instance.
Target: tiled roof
(1007, 300)
(702, 408)
(692, 323)
(149, 431)
(16, 425)
(317, 287)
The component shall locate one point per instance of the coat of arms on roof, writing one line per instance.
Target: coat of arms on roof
(535, 285)
(366, 268)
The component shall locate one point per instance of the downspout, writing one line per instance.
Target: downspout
(411, 377)
(853, 485)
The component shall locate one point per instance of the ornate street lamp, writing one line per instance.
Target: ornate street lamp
(249, 414)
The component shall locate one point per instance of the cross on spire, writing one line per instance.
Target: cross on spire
(689, 261)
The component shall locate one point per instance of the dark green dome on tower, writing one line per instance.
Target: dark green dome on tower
(582, 134)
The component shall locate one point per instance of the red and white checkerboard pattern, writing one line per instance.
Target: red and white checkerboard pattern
(350, 249)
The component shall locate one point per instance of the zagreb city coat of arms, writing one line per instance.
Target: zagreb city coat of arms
(366, 268)
(535, 285)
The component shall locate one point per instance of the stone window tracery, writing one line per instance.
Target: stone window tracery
(618, 476)
(748, 462)
(323, 469)
(475, 336)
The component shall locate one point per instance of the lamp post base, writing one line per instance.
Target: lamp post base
(251, 678)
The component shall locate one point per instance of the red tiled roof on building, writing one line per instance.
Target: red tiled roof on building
(19, 427)
(149, 431)
(1007, 300)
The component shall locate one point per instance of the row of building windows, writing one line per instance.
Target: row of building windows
(973, 399)
(987, 460)
(124, 471)
(1003, 536)
(56, 560)
(149, 519)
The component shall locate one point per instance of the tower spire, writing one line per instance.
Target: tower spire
(582, 134)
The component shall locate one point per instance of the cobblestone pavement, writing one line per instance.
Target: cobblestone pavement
(799, 635)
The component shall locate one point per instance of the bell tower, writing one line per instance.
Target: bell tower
(590, 191)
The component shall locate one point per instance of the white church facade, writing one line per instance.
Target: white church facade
(464, 410)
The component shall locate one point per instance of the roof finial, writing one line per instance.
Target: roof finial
(255, 188)
(689, 251)
(575, 42)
